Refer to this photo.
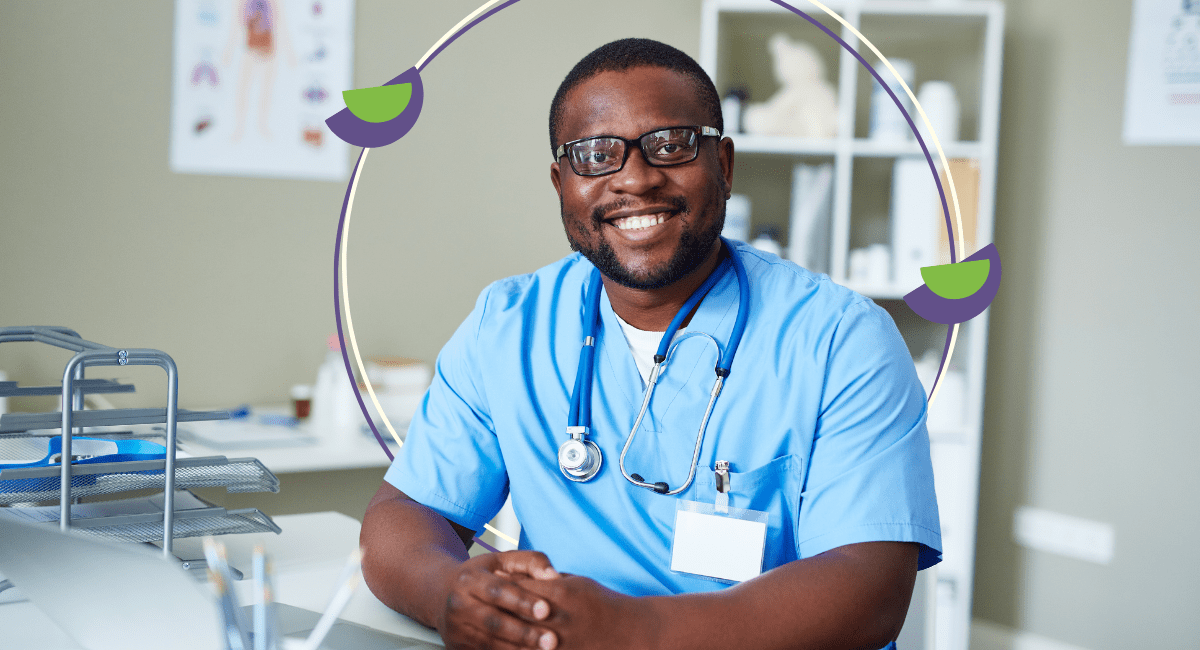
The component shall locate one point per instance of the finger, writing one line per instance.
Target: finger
(554, 591)
(495, 591)
(531, 563)
(492, 628)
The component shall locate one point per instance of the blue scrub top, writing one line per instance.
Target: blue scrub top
(822, 419)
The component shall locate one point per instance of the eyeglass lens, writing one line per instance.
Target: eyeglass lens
(605, 155)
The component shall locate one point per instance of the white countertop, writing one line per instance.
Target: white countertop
(312, 453)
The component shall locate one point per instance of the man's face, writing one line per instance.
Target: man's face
(602, 214)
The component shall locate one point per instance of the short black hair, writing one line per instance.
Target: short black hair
(629, 53)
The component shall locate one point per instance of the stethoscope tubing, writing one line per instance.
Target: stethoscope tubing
(580, 411)
(712, 400)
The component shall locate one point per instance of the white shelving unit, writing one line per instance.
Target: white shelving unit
(959, 41)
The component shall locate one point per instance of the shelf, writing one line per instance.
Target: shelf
(785, 146)
(890, 7)
(959, 42)
(949, 8)
(757, 6)
(770, 144)
(19, 423)
(892, 149)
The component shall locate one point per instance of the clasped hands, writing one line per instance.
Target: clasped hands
(516, 600)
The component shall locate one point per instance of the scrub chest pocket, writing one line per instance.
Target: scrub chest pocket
(773, 488)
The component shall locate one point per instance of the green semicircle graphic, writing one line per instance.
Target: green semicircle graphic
(955, 281)
(379, 103)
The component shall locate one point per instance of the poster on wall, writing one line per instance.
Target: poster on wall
(1162, 90)
(254, 80)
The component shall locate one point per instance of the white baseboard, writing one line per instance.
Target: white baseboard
(986, 635)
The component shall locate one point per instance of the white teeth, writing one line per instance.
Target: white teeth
(635, 223)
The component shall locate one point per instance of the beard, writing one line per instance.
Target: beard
(695, 245)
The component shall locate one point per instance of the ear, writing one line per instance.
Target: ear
(555, 170)
(725, 159)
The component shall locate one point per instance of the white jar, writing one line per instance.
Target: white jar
(887, 122)
(941, 106)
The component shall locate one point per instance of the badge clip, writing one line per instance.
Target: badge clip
(722, 477)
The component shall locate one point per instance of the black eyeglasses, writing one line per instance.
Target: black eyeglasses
(606, 154)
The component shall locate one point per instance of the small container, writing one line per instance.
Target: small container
(399, 374)
(879, 265)
(737, 218)
(302, 400)
(941, 106)
(731, 110)
(767, 241)
(887, 122)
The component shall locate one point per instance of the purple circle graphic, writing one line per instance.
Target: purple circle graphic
(360, 133)
(364, 134)
(934, 308)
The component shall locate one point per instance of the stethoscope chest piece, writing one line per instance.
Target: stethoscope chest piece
(579, 459)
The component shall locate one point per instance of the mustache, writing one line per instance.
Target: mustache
(675, 203)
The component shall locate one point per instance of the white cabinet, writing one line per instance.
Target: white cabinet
(956, 41)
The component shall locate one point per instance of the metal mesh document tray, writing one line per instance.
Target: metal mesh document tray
(188, 523)
(85, 386)
(68, 481)
(34, 484)
(19, 423)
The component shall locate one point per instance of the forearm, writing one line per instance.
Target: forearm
(833, 600)
(410, 555)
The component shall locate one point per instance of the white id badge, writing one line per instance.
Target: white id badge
(726, 546)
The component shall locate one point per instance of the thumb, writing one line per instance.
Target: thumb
(530, 563)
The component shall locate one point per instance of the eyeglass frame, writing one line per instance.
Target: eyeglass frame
(701, 132)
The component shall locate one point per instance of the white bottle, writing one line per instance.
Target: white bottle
(941, 106)
(887, 122)
(731, 113)
(334, 407)
(737, 218)
(766, 242)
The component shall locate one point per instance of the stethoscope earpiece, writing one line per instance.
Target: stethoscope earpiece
(661, 487)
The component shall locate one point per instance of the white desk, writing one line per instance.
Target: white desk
(307, 557)
(348, 451)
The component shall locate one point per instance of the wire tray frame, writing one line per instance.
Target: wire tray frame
(246, 520)
(42, 484)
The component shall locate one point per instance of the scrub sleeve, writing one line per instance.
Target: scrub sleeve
(451, 460)
(869, 476)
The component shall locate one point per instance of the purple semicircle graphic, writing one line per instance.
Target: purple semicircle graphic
(360, 133)
(948, 311)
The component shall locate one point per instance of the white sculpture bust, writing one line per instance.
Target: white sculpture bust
(805, 105)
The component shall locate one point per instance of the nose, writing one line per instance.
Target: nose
(638, 176)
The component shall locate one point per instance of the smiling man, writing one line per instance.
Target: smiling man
(788, 499)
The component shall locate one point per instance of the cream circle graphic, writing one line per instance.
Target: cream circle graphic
(384, 114)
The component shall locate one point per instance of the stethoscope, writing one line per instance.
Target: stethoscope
(580, 459)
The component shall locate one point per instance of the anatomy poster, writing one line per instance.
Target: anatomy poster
(1162, 90)
(254, 81)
